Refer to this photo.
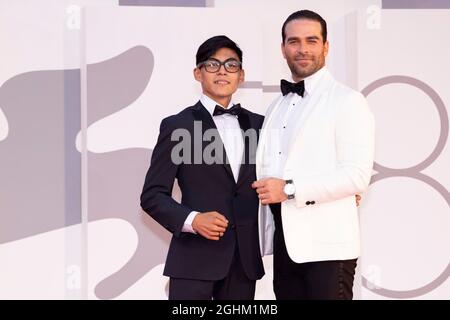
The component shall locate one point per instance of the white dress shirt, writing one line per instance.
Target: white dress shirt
(231, 135)
(283, 127)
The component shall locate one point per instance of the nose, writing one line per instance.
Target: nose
(302, 48)
(222, 69)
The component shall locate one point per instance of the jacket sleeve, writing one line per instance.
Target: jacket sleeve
(156, 197)
(355, 140)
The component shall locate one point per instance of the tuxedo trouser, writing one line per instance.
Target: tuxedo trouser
(321, 280)
(235, 286)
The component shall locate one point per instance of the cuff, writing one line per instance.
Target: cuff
(187, 227)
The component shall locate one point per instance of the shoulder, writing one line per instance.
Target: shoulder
(349, 92)
(350, 103)
(181, 119)
(343, 95)
(257, 118)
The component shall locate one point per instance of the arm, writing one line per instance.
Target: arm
(355, 135)
(156, 197)
(354, 146)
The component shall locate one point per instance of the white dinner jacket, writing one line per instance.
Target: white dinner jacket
(330, 160)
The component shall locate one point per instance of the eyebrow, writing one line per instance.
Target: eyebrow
(307, 38)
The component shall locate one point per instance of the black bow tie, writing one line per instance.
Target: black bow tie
(234, 110)
(298, 88)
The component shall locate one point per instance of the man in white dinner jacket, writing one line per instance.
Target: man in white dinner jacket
(315, 153)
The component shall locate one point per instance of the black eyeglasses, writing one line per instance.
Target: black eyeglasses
(213, 65)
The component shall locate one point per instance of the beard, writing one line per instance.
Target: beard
(298, 71)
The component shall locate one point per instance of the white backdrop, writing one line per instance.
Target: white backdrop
(122, 65)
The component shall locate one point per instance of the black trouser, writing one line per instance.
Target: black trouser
(235, 286)
(311, 280)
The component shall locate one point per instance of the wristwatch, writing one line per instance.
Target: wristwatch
(289, 189)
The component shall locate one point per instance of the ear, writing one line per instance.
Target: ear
(325, 48)
(241, 76)
(198, 75)
(283, 50)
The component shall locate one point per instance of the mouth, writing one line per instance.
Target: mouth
(221, 82)
(303, 62)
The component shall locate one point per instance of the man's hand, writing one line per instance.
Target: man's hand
(270, 190)
(210, 225)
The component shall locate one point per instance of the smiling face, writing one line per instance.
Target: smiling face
(220, 85)
(303, 48)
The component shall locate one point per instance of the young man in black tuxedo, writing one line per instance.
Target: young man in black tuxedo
(214, 252)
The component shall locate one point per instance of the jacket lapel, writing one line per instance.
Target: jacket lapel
(271, 111)
(201, 114)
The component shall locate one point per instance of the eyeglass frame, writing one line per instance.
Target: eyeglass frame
(221, 63)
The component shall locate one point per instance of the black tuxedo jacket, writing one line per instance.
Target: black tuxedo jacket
(204, 187)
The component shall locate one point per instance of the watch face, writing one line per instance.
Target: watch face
(289, 189)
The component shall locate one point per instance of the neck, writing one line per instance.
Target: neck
(223, 101)
(296, 78)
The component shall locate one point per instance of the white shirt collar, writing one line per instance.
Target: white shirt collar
(210, 104)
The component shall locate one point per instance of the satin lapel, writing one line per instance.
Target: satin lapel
(246, 167)
(201, 114)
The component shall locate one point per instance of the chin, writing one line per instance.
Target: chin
(305, 73)
(225, 93)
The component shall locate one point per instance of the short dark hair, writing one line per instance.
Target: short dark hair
(305, 14)
(212, 45)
